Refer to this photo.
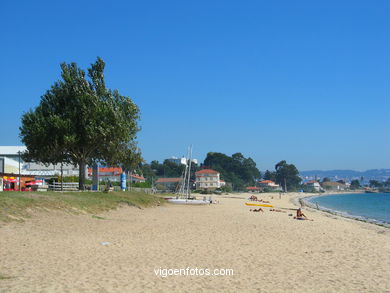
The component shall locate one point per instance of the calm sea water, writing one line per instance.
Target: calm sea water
(370, 206)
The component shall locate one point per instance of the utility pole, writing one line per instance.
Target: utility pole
(20, 183)
(62, 178)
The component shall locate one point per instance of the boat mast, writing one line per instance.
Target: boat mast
(183, 184)
(189, 173)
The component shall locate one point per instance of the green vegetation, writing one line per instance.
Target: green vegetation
(355, 184)
(141, 184)
(16, 205)
(269, 175)
(237, 170)
(375, 184)
(287, 176)
(82, 122)
(169, 169)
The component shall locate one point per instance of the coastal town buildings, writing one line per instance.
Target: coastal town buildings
(181, 161)
(207, 179)
(314, 184)
(269, 184)
(168, 183)
(253, 189)
(335, 186)
(10, 157)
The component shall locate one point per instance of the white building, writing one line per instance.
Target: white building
(269, 184)
(207, 179)
(314, 184)
(9, 163)
(182, 161)
(9, 158)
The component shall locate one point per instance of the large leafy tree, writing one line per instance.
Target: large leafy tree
(237, 169)
(269, 175)
(80, 121)
(287, 175)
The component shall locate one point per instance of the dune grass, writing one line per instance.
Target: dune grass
(16, 206)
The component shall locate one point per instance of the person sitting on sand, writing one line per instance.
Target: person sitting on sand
(301, 216)
(257, 210)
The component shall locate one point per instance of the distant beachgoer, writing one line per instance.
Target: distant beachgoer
(257, 210)
(301, 216)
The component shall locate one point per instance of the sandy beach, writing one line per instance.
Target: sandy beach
(121, 250)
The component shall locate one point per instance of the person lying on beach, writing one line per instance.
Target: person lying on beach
(275, 210)
(257, 210)
(301, 216)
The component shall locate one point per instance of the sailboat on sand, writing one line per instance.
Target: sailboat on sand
(184, 195)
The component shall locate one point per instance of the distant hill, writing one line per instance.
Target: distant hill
(374, 174)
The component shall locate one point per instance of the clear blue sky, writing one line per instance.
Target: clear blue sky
(305, 81)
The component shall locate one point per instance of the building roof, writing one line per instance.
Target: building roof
(252, 188)
(12, 150)
(113, 170)
(332, 183)
(266, 181)
(206, 171)
(168, 180)
(137, 177)
(311, 182)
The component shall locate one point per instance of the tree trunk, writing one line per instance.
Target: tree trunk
(81, 174)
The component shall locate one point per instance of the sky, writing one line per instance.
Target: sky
(303, 81)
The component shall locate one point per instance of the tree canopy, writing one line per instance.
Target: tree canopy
(355, 184)
(375, 184)
(237, 169)
(269, 175)
(80, 121)
(287, 176)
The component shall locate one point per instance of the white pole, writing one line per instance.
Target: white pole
(183, 187)
(189, 174)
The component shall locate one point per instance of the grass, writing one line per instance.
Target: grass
(16, 206)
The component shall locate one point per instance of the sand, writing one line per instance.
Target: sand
(268, 252)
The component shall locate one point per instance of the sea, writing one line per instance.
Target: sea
(371, 207)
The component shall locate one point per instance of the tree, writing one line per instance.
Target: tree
(326, 179)
(269, 175)
(355, 184)
(237, 169)
(80, 121)
(287, 176)
(375, 184)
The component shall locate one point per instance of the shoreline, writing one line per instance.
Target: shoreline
(303, 201)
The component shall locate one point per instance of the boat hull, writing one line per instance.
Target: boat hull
(187, 201)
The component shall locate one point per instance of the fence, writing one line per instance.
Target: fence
(66, 186)
(145, 190)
